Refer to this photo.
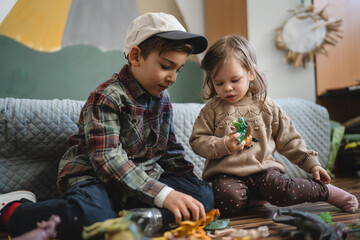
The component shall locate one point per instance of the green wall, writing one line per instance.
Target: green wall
(73, 72)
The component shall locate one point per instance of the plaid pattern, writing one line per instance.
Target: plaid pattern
(126, 139)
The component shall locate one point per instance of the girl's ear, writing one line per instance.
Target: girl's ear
(251, 76)
(134, 55)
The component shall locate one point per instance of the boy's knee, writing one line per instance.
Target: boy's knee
(208, 199)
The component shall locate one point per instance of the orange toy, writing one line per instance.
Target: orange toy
(190, 229)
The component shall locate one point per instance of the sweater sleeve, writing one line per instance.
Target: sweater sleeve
(202, 139)
(290, 143)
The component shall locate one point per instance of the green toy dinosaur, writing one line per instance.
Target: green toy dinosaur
(244, 129)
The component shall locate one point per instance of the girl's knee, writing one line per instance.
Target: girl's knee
(232, 208)
(231, 203)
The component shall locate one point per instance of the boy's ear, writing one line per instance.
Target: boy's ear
(134, 55)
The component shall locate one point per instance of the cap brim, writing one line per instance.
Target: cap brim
(199, 42)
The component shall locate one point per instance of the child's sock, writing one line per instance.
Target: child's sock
(342, 199)
(6, 214)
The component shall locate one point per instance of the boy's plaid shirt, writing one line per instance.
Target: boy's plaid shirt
(126, 139)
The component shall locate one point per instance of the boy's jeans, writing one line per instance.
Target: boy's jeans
(88, 202)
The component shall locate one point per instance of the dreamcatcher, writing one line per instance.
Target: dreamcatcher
(305, 34)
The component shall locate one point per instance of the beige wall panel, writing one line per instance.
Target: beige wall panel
(224, 18)
(340, 68)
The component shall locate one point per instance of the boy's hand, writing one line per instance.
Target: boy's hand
(180, 203)
(232, 142)
(320, 174)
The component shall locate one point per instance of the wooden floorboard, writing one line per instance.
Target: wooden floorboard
(262, 215)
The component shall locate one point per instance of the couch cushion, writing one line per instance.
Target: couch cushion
(33, 136)
(313, 123)
(184, 118)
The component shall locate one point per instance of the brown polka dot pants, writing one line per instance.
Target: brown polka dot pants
(232, 193)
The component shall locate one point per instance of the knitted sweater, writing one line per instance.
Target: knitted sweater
(269, 123)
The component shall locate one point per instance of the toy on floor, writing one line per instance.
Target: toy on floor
(354, 228)
(114, 229)
(215, 230)
(244, 129)
(309, 226)
(326, 217)
(191, 229)
(217, 225)
(240, 234)
(351, 228)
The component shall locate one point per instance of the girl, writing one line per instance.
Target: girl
(237, 88)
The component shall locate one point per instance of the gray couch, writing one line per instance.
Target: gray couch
(34, 135)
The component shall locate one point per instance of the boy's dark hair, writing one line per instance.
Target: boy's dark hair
(161, 44)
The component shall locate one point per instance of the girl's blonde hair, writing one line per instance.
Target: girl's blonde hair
(216, 57)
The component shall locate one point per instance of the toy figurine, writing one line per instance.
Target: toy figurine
(240, 234)
(191, 229)
(116, 228)
(309, 226)
(244, 129)
(217, 225)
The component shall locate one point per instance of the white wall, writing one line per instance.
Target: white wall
(194, 17)
(193, 14)
(264, 17)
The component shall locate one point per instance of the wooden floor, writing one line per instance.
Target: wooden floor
(259, 216)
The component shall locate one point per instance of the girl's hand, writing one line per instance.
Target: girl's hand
(184, 206)
(232, 143)
(321, 175)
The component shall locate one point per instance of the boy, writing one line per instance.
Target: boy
(125, 153)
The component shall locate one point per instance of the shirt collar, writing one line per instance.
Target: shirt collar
(132, 85)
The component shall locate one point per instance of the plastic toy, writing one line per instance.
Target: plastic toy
(217, 225)
(113, 229)
(240, 234)
(191, 229)
(326, 217)
(244, 129)
(309, 226)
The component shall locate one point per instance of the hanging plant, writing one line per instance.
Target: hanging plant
(305, 34)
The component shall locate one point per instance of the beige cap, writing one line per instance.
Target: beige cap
(162, 25)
